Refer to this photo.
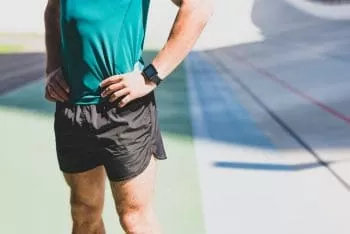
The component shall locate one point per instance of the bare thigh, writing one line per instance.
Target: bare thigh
(87, 192)
(136, 194)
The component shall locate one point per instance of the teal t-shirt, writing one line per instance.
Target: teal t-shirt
(99, 39)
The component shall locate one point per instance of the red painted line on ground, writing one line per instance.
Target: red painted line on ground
(292, 89)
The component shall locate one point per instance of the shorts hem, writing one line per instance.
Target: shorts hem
(142, 169)
(135, 174)
(160, 157)
(80, 170)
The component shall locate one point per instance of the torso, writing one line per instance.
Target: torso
(100, 38)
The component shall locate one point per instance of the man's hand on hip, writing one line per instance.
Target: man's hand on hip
(130, 86)
(56, 88)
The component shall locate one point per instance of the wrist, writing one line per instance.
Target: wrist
(52, 64)
(160, 68)
(50, 73)
(151, 85)
(51, 69)
(150, 75)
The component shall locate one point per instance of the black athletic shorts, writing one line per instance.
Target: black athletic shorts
(121, 139)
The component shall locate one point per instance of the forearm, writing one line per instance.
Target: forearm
(189, 24)
(52, 37)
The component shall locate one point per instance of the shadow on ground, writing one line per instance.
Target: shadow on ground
(298, 77)
(299, 73)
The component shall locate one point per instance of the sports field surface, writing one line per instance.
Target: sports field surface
(257, 133)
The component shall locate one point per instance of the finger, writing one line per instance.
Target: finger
(48, 97)
(60, 80)
(55, 90)
(125, 101)
(112, 88)
(59, 90)
(110, 80)
(51, 98)
(47, 93)
(53, 94)
(118, 94)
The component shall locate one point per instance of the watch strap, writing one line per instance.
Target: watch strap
(151, 74)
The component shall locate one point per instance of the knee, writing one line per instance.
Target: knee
(136, 220)
(86, 211)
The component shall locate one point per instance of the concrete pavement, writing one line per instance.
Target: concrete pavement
(292, 89)
(257, 133)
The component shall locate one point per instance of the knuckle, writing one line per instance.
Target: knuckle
(50, 85)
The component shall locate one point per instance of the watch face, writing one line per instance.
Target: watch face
(150, 71)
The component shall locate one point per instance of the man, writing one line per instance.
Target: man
(105, 119)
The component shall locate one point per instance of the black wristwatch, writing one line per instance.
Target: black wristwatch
(151, 74)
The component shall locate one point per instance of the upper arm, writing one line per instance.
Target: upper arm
(53, 5)
(52, 10)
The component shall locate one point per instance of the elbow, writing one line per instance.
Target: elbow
(202, 9)
(208, 12)
(177, 2)
(205, 12)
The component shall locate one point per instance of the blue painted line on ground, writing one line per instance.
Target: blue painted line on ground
(267, 166)
(221, 113)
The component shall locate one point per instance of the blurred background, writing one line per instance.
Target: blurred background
(256, 123)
